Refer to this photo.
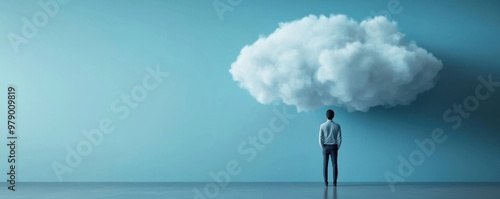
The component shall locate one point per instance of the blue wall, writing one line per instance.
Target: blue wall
(78, 65)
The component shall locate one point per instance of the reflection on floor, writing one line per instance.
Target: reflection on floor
(250, 190)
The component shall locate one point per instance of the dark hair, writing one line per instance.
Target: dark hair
(330, 114)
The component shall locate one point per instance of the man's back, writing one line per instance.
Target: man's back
(330, 133)
(330, 138)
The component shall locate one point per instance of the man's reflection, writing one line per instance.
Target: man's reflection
(325, 192)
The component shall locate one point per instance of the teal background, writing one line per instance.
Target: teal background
(92, 52)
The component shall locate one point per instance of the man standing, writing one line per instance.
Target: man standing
(330, 138)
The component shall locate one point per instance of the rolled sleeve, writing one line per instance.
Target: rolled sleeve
(339, 137)
(321, 137)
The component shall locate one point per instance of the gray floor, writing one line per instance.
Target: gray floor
(251, 190)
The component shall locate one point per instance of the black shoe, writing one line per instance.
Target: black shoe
(326, 184)
(335, 184)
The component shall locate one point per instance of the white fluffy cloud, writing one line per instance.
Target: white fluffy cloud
(319, 61)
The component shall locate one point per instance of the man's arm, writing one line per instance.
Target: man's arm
(321, 139)
(339, 137)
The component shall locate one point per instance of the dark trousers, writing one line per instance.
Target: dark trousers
(330, 151)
